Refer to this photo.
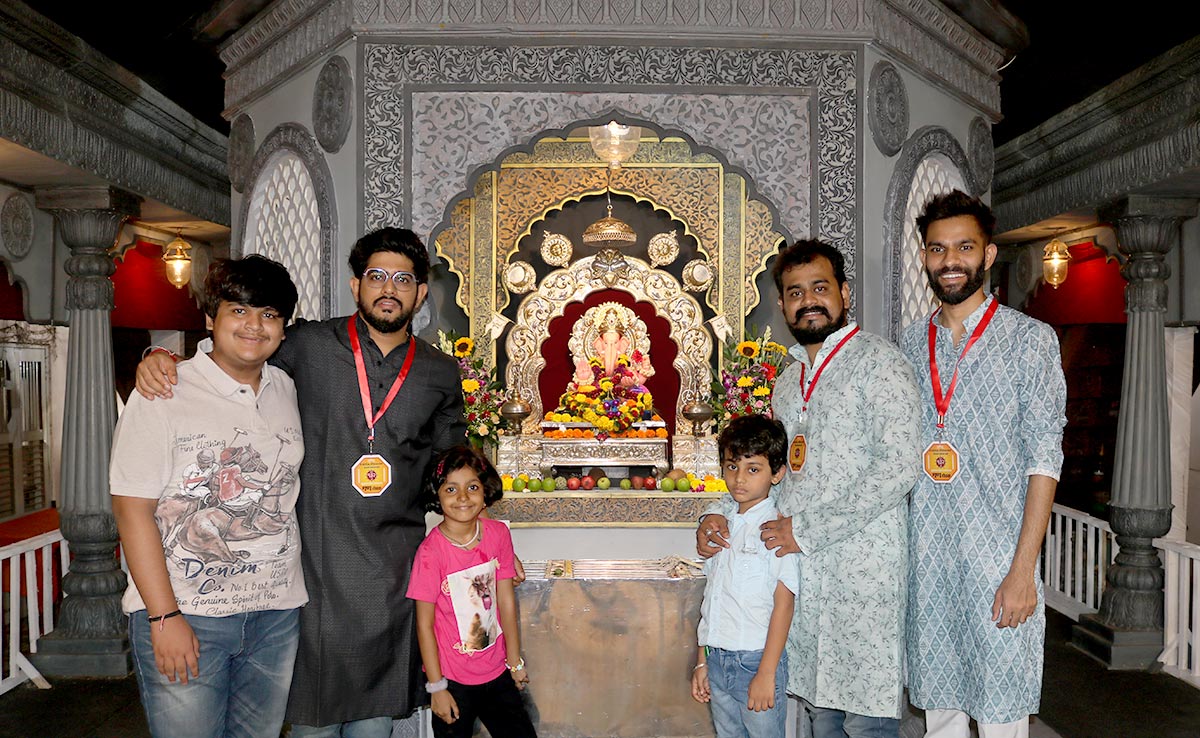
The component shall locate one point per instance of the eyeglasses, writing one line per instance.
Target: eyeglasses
(401, 281)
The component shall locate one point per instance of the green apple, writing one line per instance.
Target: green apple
(603, 483)
(626, 484)
(666, 484)
(548, 484)
(518, 484)
(683, 485)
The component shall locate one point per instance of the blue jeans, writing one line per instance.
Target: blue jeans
(376, 727)
(245, 672)
(729, 675)
(827, 723)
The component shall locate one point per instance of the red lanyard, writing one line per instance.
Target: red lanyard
(940, 401)
(806, 394)
(364, 388)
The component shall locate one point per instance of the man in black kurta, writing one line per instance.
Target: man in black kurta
(358, 658)
(358, 654)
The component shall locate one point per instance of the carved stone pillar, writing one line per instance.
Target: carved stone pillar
(90, 636)
(1127, 632)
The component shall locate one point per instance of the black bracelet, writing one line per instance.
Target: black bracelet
(159, 618)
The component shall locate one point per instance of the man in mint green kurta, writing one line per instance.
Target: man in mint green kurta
(844, 507)
(976, 620)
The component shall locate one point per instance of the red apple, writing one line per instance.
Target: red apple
(587, 483)
(636, 481)
(573, 483)
(651, 482)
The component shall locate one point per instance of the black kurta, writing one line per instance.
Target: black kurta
(358, 655)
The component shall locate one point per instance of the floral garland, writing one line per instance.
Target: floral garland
(482, 393)
(606, 402)
(746, 381)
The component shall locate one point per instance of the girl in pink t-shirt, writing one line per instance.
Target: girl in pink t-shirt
(462, 581)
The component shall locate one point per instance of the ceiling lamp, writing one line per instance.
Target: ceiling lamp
(609, 232)
(614, 143)
(179, 262)
(1055, 259)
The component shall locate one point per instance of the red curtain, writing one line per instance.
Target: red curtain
(664, 385)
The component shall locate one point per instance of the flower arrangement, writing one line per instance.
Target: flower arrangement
(746, 381)
(482, 394)
(612, 402)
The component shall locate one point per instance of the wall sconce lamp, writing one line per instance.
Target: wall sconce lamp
(179, 262)
(1055, 259)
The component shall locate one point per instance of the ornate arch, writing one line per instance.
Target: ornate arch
(295, 140)
(925, 142)
(574, 283)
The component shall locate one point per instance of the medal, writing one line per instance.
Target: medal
(941, 458)
(797, 453)
(941, 462)
(371, 475)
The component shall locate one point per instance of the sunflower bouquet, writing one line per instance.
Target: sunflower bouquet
(746, 381)
(482, 393)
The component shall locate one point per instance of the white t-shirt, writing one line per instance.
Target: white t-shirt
(224, 465)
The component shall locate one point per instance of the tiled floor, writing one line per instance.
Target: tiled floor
(1080, 699)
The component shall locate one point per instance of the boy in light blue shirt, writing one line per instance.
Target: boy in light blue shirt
(741, 668)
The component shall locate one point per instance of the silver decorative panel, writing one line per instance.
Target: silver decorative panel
(767, 135)
(456, 128)
(285, 227)
(935, 175)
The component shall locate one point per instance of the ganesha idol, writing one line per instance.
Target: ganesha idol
(611, 351)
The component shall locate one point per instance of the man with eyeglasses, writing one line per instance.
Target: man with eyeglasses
(375, 403)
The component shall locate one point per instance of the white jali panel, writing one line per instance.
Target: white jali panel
(284, 226)
(935, 175)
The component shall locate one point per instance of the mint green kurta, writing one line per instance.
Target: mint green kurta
(850, 518)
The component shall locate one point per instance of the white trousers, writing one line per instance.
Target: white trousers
(957, 724)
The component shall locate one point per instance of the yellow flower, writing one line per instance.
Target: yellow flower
(581, 398)
(761, 391)
(463, 347)
(749, 349)
(470, 385)
(606, 385)
(744, 381)
(778, 348)
(585, 388)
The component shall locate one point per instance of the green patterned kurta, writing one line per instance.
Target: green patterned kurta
(850, 518)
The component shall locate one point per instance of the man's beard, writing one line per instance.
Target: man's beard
(386, 325)
(974, 280)
(810, 336)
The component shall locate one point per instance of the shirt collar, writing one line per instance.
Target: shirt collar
(971, 320)
(800, 353)
(216, 376)
(762, 509)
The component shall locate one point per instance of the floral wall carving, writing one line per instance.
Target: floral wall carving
(799, 164)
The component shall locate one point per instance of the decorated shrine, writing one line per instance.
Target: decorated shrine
(601, 273)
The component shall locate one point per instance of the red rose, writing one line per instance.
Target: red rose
(770, 371)
(470, 399)
(470, 417)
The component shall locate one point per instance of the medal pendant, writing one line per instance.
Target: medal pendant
(941, 462)
(797, 453)
(371, 475)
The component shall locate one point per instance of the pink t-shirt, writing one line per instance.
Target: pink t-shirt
(462, 586)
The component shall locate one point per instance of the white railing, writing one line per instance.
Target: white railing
(1075, 558)
(29, 565)
(1181, 609)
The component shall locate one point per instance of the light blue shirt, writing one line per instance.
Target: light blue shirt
(740, 593)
